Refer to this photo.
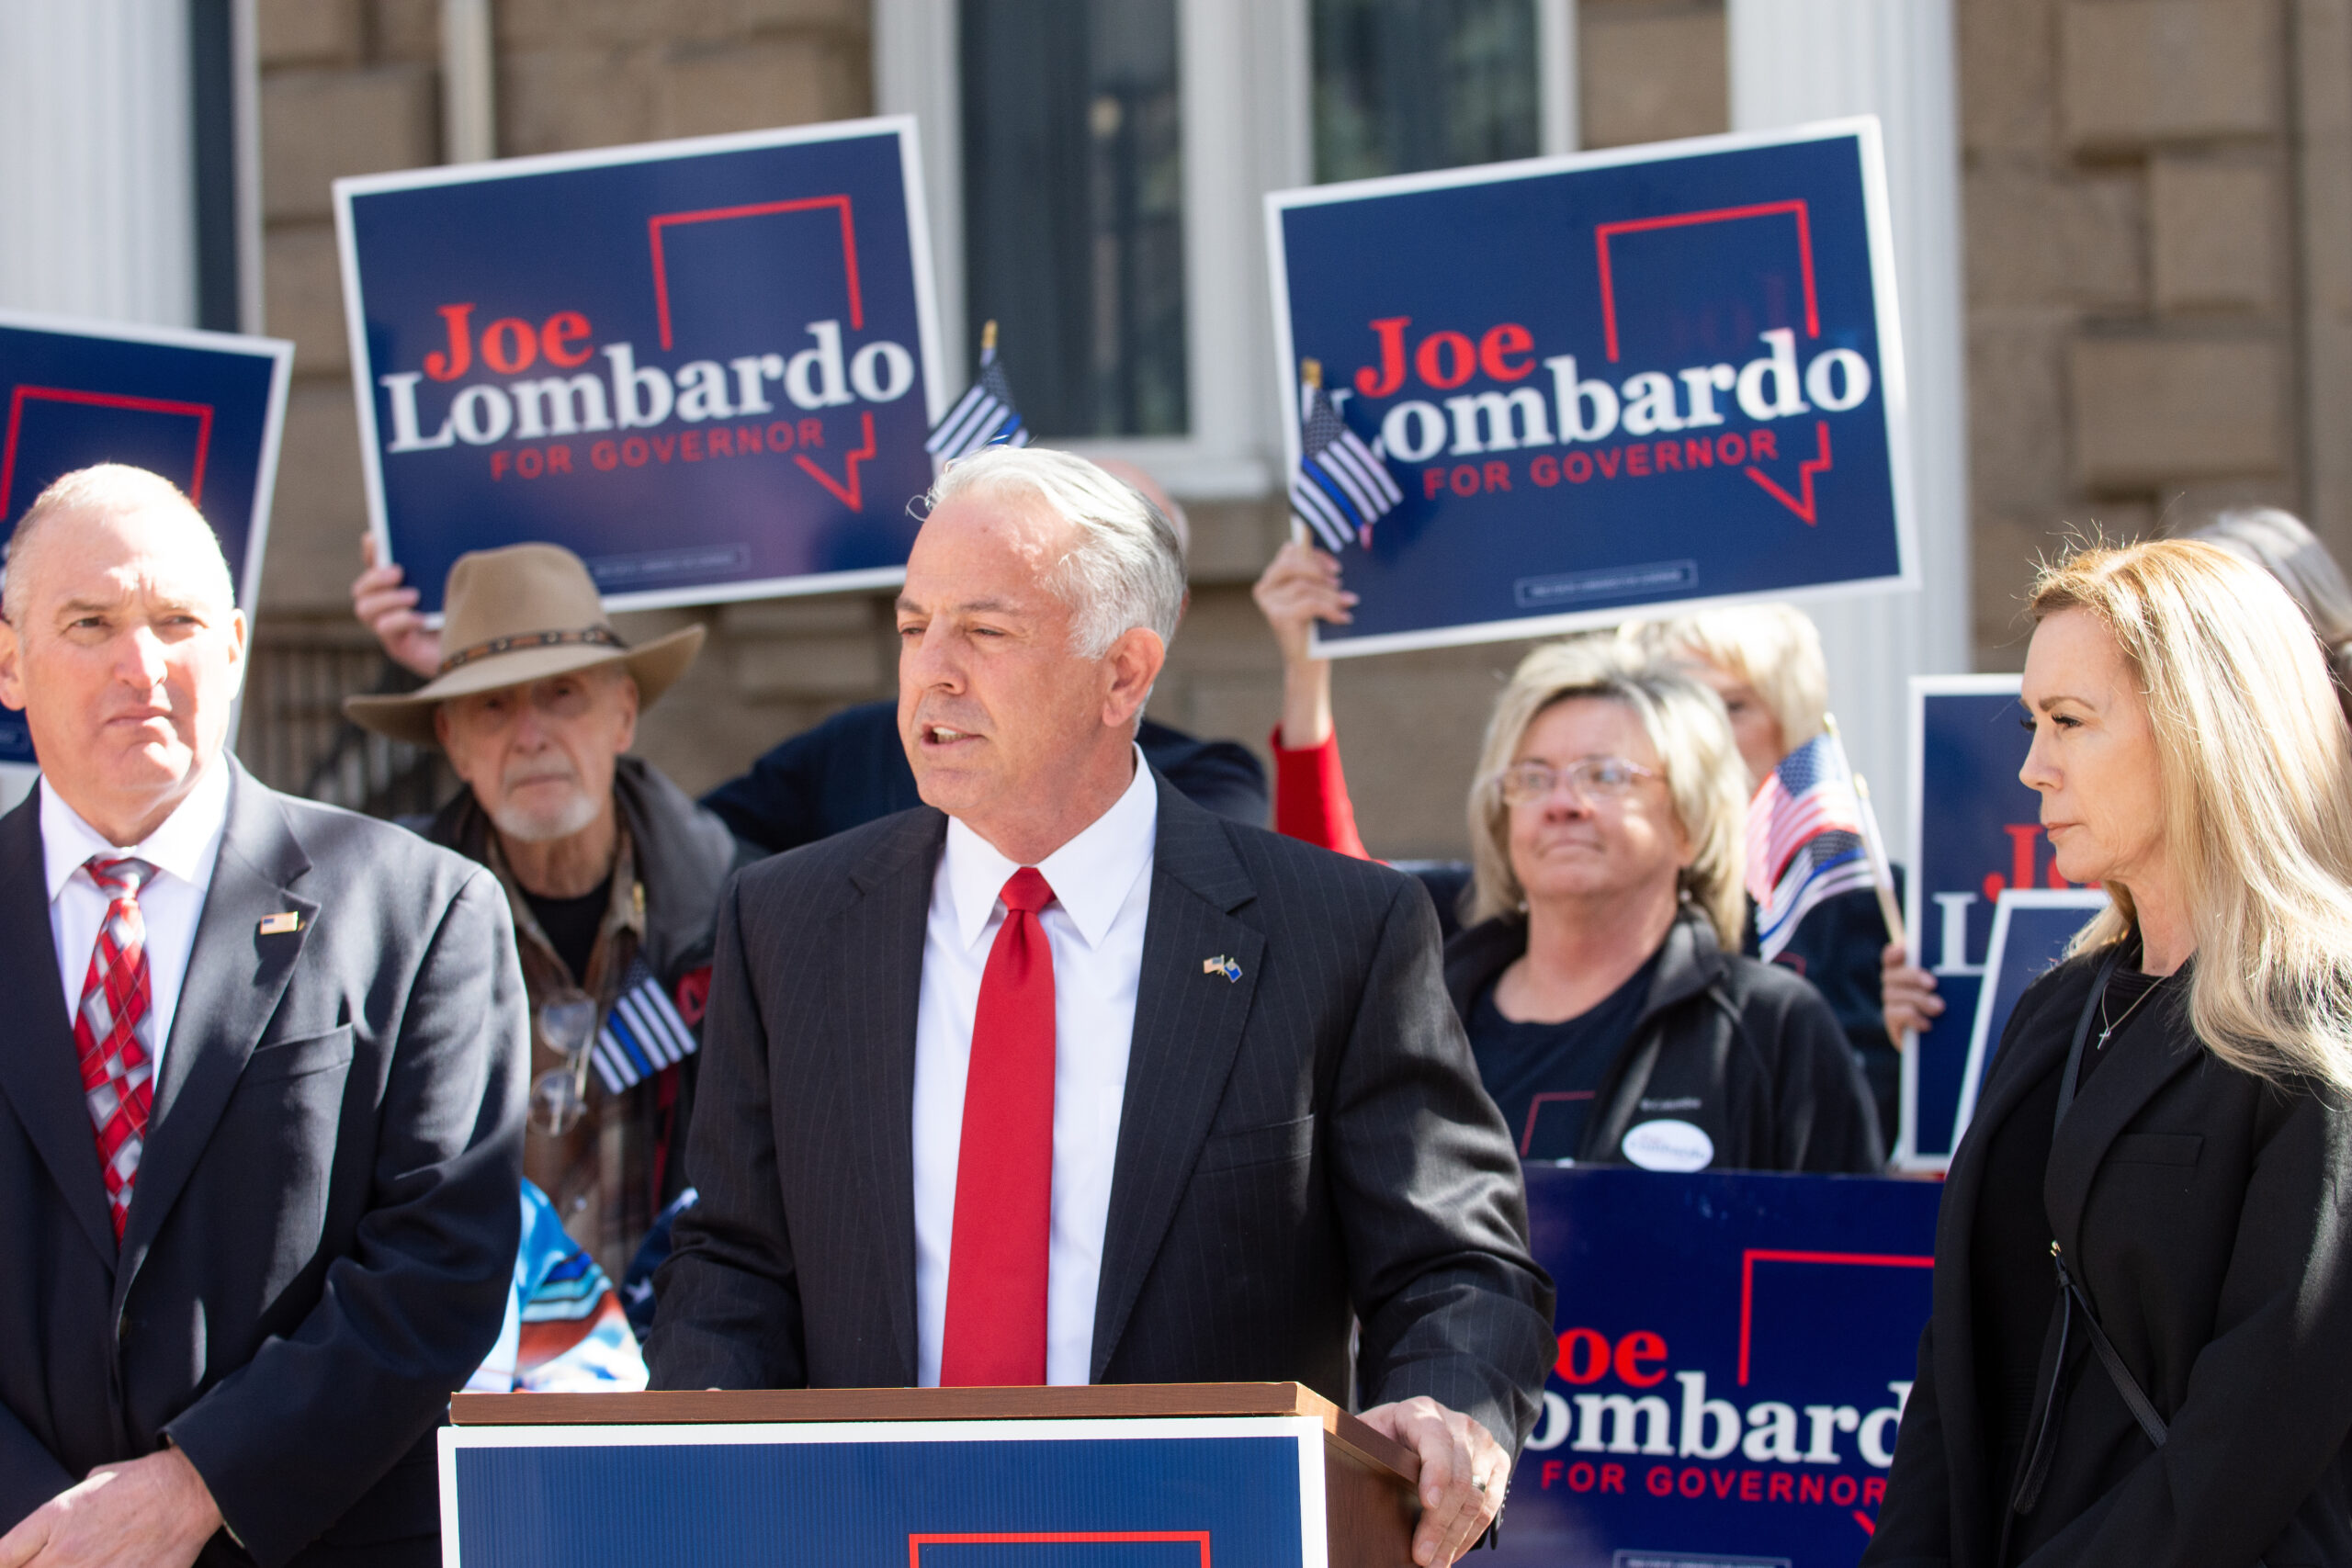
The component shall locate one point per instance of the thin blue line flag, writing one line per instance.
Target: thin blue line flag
(642, 1035)
(984, 416)
(1342, 487)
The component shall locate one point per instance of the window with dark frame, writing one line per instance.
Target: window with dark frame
(1405, 86)
(1074, 211)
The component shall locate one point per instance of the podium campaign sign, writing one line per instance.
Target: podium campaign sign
(1232, 1493)
(1734, 1354)
(1975, 833)
(707, 366)
(1608, 383)
(204, 410)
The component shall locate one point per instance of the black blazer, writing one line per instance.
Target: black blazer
(322, 1233)
(1303, 1143)
(2205, 1213)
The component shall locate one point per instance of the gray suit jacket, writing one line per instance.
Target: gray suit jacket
(1303, 1144)
(322, 1234)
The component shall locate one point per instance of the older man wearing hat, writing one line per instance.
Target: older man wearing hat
(612, 873)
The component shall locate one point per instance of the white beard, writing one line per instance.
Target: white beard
(543, 825)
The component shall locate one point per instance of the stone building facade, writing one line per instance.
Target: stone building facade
(2156, 201)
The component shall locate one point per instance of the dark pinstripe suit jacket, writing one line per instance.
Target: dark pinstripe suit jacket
(1307, 1141)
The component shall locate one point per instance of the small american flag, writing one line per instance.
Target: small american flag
(1805, 840)
(642, 1035)
(1342, 487)
(984, 416)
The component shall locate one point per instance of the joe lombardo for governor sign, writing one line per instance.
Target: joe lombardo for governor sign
(1609, 381)
(202, 409)
(706, 366)
(1736, 1352)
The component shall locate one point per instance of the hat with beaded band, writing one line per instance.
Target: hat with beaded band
(515, 616)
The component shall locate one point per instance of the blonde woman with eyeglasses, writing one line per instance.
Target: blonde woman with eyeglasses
(2143, 1304)
(1612, 1015)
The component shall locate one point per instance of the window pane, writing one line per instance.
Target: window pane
(1074, 211)
(1402, 85)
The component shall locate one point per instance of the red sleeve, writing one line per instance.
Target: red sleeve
(1311, 796)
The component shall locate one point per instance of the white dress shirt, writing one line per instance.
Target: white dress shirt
(1102, 883)
(182, 851)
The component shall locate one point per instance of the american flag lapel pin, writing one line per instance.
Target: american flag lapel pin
(281, 923)
(1223, 966)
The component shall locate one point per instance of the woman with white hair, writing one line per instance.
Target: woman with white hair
(1611, 1016)
(2142, 1298)
(1765, 662)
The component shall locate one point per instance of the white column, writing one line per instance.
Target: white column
(1793, 61)
(97, 162)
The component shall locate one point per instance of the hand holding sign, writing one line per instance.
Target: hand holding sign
(386, 606)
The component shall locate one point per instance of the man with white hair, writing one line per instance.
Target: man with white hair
(611, 872)
(1060, 1078)
(260, 1104)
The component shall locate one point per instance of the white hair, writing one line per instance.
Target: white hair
(108, 487)
(1128, 570)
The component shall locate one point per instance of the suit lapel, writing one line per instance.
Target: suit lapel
(40, 1068)
(2104, 1107)
(877, 994)
(1188, 1029)
(235, 976)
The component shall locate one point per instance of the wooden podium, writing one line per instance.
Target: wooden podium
(1165, 1475)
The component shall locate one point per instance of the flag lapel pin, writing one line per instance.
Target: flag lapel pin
(1223, 966)
(281, 923)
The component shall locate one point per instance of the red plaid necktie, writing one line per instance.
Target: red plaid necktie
(997, 1257)
(117, 1081)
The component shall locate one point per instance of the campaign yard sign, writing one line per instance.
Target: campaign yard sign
(204, 410)
(706, 366)
(1734, 1354)
(1975, 833)
(1607, 382)
(1202, 1493)
(2032, 927)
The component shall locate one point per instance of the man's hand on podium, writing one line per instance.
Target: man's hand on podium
(1464, 1473)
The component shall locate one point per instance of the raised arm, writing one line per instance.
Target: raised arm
(386, 606)
(1299, 587)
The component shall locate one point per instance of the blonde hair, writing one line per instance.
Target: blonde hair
(1685, 721)
(1775, 648)
(2255, 776)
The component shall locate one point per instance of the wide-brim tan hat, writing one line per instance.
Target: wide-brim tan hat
(519, 615)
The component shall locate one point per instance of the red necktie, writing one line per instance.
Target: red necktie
(116, 1082)
(1004, 1171)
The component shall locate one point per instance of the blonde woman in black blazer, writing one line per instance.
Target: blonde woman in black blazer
(2141, 1352)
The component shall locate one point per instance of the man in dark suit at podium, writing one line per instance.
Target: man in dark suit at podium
(1060, 1078)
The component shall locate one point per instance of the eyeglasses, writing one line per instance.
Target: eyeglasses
(1591, 778)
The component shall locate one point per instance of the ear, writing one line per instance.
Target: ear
(11, 672)
(628, 699)
(1134, 663)
(459, 764)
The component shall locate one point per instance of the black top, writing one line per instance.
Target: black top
(1544, 1075)
(852, 769)
(1746, 1052)
(2016, 1287)
(571, 924)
